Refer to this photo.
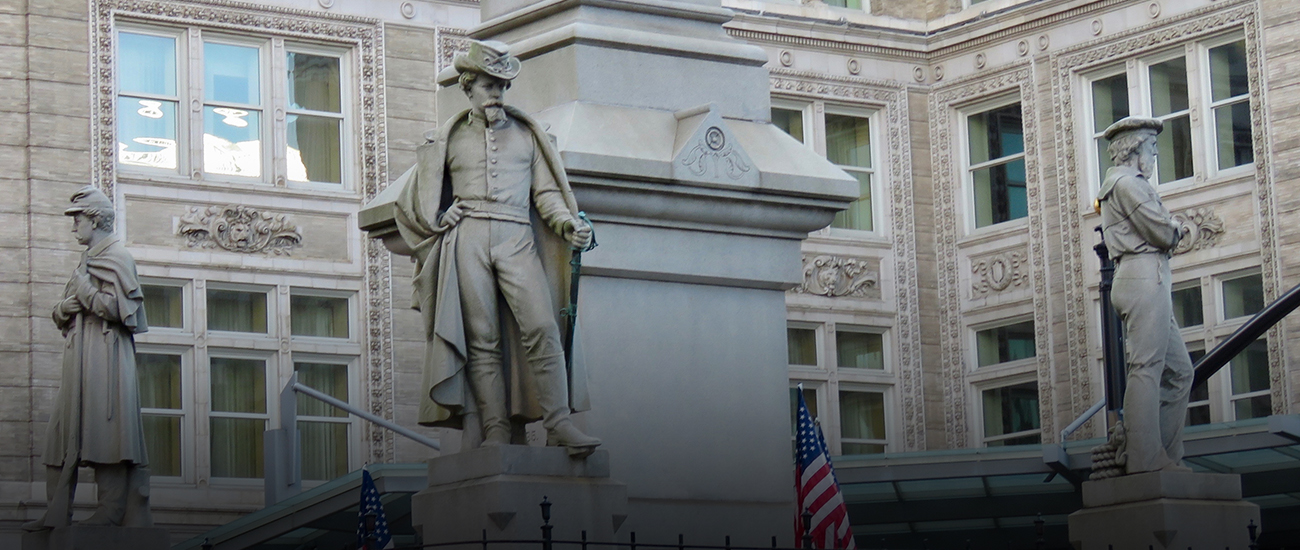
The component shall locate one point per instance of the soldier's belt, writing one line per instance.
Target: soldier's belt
(493, 210)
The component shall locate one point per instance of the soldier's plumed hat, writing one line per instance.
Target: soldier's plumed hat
(488, 57)
(1129, 124)
(89, 198)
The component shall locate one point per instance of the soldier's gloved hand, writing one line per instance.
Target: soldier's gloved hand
(578, 234)
(452, 216)
(70, 306)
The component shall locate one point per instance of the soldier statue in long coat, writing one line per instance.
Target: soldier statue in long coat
(96, 418)
(491, 219)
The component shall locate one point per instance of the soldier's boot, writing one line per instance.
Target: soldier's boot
(137, 498)
(59, 487)
(490, 396)
(110, 482)
(553, 396)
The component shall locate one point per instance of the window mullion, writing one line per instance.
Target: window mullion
(279, 102)
(193, 152)
(1197, 94)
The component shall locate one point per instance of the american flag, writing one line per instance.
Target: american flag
(370, 503)
(818, 490)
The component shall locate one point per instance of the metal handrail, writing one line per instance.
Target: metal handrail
(282, 459)
(300, 388)
(1078, 422)
(1245, 335)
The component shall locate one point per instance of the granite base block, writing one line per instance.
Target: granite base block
(98, 537)
(498, 490)
(1163, 510)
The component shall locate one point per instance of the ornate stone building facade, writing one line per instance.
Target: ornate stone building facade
(952, 306)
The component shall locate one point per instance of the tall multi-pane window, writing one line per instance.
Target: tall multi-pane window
(1011, 415)
(324, 428)
(1230, 104)
(1242, 388)
(862, 422)
(845, 372)
(844, 135)
(1005, 383)
(207, 396)
(205, 111)
(1250, 385)
(1208, 77)
(1005, 344)
(161, 410)
(1109, 105)
(1170, 104)
(232, 109)
(238, 416)
(995, 169)
(147, 101)
(848, 145)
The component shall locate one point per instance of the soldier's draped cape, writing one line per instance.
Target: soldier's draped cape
(97, 415)
(425, 192)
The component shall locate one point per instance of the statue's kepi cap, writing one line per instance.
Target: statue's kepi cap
(89, 198)
(488, 57)
(1132, 123)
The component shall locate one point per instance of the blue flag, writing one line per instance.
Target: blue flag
(370, 503)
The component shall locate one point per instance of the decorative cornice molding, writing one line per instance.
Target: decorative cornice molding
(994, 273)
(1034, 25)
(238, 228)
(839, 276)
(1076, 241)
(899, 200)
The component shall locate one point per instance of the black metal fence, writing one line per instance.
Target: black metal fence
(547, 542)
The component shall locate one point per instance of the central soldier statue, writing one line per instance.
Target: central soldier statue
(491, 220)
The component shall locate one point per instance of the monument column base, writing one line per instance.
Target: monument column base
(97, 537)
(1163, 510)
(499, 489)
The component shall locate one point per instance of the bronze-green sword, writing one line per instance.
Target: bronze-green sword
(570, 312)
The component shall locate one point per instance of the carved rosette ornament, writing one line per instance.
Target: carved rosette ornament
(837, 276)
(996, 273)
(238, 228)
(1202, 229)
(713, 151)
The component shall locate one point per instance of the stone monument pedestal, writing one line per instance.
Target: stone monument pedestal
(1163, 510)
(98, 537)
(499, 489)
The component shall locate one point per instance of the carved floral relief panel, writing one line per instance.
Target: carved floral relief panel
(840, 276)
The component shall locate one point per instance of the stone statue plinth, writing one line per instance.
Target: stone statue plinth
(498, 488)
(97, 537)
(1163, 510)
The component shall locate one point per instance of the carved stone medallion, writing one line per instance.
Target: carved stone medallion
(238, 228)
(997, 272)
